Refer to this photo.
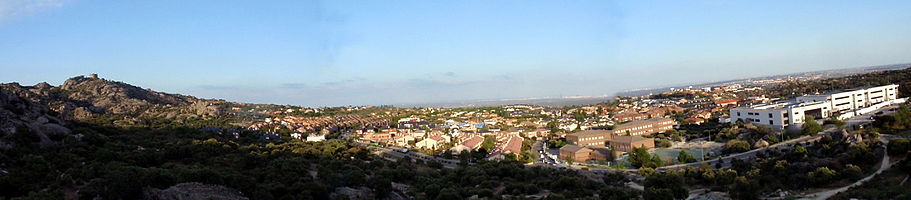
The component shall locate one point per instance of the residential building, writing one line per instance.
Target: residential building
(316, 137)
(470, 144)
(431, 143)
(785, 114)
(575, 152)
(780, 115)
(856, 98)
(595, 138)
(644, 127)
(624, 143)
(583, 154)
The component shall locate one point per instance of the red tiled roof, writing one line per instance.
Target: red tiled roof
(473, 142)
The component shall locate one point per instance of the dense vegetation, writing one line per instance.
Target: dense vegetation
(828, 162)
(118, 163)
(891, 184)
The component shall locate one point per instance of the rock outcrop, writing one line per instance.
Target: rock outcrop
(22, 116)
(83, 97)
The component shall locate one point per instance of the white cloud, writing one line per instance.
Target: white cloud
(11, 9)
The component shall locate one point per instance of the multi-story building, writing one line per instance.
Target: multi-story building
(575, 153)
(582, 154)
(785, 114)
(627, 143)
(594, 138)
(644, 127)
(780, 115)
(852, 99)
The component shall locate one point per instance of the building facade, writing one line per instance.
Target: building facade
(575, 153)
(627, 143)
(785, 114)
(592, 138)
(644, 127)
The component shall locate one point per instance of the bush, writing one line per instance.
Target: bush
(810, 126)
(899, 146)
(685, 157)
(736, 146)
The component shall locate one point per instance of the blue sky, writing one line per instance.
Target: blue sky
(319, 53)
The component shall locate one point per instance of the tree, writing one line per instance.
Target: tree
(810, 126)
(658, 194)
(641, 158)
(744, 188)
(685, 157)
(898, 146)
(579, 116)
(736, 146)
(822, 175)
(838, 123)
(673, 182)
(489, 143)
(852, 172)
(449, 194)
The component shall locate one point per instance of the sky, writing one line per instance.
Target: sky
(334, 53)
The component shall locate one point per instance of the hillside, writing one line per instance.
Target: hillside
(84, 98)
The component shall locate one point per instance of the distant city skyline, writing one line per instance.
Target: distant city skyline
(334, 53)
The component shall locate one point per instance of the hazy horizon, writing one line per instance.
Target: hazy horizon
(337, 53)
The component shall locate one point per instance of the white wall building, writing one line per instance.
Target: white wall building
(784, 114)
(853, 99)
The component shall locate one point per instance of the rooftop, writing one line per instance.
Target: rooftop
(642, 122)
(573, 148)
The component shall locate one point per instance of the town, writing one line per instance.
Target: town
(677, 129)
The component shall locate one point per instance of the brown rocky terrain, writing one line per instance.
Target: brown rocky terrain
(24, 117)
(82, 97)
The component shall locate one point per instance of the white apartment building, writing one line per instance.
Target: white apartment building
(853, 99)
(781, 115)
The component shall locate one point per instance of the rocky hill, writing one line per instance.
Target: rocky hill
(85, 97)
(33, 121)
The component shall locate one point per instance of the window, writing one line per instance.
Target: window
(771, 122)
(770, 115)
(786, 114)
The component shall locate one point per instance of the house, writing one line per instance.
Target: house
(726, 102)
(403, 140)
(297, 135)
(433, 142)
(470, 144)
(270, 136)
(694, 120)
(513, 145)
(316, 137)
